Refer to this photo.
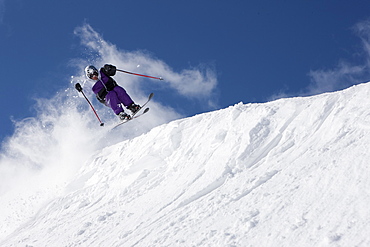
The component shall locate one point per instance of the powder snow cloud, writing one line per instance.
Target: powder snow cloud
(193, 83)
(65, 131)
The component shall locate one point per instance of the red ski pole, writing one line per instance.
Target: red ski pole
(131, 73)
(79, 88)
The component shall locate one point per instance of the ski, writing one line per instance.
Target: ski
(132, 118)
(142, 107)
(136, 115)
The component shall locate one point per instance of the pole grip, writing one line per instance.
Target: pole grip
(78, 87)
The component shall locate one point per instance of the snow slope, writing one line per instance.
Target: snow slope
(292, 172)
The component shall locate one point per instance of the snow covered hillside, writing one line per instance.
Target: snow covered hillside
(292, 172)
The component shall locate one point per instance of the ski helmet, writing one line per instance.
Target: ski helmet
(90, 71)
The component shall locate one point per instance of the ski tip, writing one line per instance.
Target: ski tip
(146, 110)
(151, 95)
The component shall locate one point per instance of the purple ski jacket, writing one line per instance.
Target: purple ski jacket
(101, 83)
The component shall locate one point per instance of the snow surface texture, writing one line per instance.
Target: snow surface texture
(292, 172)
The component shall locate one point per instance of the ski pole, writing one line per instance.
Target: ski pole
(131, 73)
(79, 88)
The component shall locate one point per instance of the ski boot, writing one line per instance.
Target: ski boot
(134, 108)
(124, 116)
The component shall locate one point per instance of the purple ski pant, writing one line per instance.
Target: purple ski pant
(116, 97)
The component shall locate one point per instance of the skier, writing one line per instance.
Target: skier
(109, 92)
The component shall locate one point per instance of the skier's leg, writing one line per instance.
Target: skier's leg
(114, 102)
(122, 95)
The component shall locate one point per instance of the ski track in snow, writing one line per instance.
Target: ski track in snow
(292, 172)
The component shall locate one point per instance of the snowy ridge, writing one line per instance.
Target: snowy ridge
(293, 172)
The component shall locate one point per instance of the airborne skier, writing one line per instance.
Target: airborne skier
(109, 92)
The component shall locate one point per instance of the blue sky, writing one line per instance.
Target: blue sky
(249, 51)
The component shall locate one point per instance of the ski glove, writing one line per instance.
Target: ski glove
(110, 70)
